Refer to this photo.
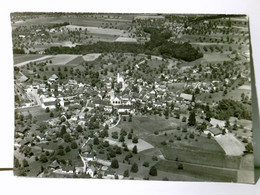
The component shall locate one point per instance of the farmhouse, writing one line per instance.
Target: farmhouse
(214, 131)
(91, 171)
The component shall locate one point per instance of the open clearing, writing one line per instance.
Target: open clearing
(230, 144)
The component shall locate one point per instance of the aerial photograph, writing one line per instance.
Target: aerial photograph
(132, 96)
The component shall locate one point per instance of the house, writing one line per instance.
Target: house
(116, 101)
(53, 78)
(75, 106)
(23, 78)
(91, 171)
(186, 97)
(54, 165)
(124, 109)
(214, 131)
(214, 122)
(48, 102)
(108, 109)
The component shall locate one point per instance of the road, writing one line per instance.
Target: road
(116, 122)
(85, 162)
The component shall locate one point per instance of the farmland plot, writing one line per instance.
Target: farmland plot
(230, 145)
(98, 30)
(63, 59)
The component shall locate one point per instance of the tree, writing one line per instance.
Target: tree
(114, 164)
(122, 138)
(184, 119)
(96, 141)
(66, 137)
(47, 109)
(67, 149)
(134, 168)
(79, 128)
(135, 149)
(16, 163)
(61, 152)
(126, 173)
(146, 164)
(74, 145)
(115, 135)
(249, 147)
(51, 114)
(25, 163)
(63, 130)
(192, 119)
(129, 136)
(135, 140)
(180, 166)
(153, 171)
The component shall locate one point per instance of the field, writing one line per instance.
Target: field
(217, 96)
(19, 58)
(199, 150)
(197, 171)
(31, 58)
(62, 59)
(98, 30)
(230, 144)
(216, 57)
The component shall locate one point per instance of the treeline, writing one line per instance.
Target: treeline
(59, 25)
(18, 51)
(227, 108)
(216, 16)
(98, 47)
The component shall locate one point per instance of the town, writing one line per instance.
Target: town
(132, 96)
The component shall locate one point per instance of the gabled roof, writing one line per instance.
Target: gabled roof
(215, 131)
(53, 77)
(54, 164)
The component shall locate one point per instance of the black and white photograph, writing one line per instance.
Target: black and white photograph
(132, 96)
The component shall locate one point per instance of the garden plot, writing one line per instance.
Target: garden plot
(230, 144)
